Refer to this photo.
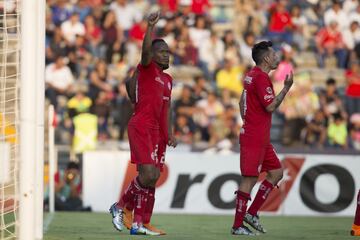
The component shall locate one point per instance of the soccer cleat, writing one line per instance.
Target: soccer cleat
(243, 230)
(254, 221)
(154, 229)
(117, 217)
(355, 230)
(141, 230)
(128, 218)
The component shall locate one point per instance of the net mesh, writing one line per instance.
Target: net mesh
(9, 116)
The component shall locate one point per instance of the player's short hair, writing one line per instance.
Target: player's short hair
(259, 50)
(157, 40)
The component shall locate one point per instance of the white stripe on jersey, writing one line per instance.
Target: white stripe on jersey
(244, 101)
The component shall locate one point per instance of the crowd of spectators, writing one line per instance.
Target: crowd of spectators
(93, 46)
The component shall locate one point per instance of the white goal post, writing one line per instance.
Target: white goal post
(32, 119)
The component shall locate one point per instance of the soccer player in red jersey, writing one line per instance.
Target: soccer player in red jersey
(166, 138)
(257, 155)
(355, 229)
(144, 132)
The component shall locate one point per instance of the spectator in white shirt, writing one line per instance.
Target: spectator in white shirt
(209, 110)
(199, 33)
(351, 35)
(246, 48)
(58, 79)
(71, 28)
(211, 55)
(300, 27)
(350, 5)
(126, 14)
(355, 15)
(336, 13)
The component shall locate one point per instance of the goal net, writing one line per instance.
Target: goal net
(9, 116)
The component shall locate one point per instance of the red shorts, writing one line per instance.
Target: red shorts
(257, 159)
(144, 143)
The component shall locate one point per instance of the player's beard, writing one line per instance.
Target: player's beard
(165, 66)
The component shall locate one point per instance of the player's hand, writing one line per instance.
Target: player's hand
(172, 142)
(153, 18)
(289, 80)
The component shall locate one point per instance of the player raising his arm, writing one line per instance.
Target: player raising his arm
(166, 138)
(144, 132)
(257, 155)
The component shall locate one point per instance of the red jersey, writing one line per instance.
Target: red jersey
(164, 135)
(137, 33)
(258, 93)
(328, 38)
(149, 96)
(198, 6)
(279, 21)
(353, 89)
(170, 5)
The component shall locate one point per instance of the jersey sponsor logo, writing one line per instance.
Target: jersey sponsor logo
(166, 98)
(158, 79)
(248, 80)
(269, 90)
(268, 97)
(154, 155)
(169, 85)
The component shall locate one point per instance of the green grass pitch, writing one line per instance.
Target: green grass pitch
(87, 226)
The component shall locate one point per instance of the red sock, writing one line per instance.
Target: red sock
(241, 204)
(357, 214)
(128, 198)
(141, 198)
(149, 205)
(264, 190)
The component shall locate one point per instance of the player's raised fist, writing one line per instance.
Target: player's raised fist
(289, 80)
(153, 18)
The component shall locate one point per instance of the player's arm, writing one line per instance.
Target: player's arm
(131, 86)
(146, 46)
(280, 97)
(241, 105)
(172, 141)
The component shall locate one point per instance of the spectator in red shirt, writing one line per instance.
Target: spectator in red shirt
(93, 35)
(168, 5)
(200, 7)
(137, 32)
(329, 41)
(280, 24)
(353, 88)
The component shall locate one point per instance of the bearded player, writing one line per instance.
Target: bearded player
(166, 138)
(147, 135)
(257, 155)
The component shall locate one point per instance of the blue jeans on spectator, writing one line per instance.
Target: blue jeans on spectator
(340, 55)
(207, 74)
(279, 37)
(52, 94)
(352, 105)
